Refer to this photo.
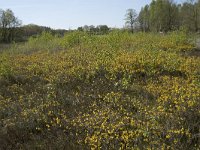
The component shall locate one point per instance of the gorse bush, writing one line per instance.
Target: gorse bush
(5, 66)
(74, 39)
(115, 91)
(114, 41)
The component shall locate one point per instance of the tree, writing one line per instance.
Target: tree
(160, 15)
(144, 18)
(33, 30)
(103, 29)
(86, 28)
(92, 29)
(130, 18)
(190, 15)
(80, 28)
(8, 25)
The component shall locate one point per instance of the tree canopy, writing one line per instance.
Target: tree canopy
(166, 15)
(8, 25)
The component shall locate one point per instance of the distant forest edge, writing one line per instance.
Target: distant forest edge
(158, 16)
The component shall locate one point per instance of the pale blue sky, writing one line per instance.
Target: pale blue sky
(72, 13)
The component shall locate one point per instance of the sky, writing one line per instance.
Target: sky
(70, 14)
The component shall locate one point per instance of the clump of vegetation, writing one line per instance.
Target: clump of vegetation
(115, 91)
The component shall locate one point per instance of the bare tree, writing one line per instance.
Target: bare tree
(131, 18)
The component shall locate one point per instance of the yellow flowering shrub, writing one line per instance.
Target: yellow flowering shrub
(115, 91)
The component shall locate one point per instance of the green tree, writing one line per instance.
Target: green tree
(160, 15)
(80, 28)
(190, 15)
(103, 29)
(153, 16)
(8, 25)
(144, 18)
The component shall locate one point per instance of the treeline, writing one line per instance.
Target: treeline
(166, 15)
(11, 28)
(158, 16)
(100, 29)
(34, 30)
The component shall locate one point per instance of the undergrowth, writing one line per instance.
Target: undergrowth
(115, 91)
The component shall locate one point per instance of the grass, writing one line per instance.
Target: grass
(118, 91)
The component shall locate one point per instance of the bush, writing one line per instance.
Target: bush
(119, 91)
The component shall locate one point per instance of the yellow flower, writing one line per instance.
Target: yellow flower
(168, 136)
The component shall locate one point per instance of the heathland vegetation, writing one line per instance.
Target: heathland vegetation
(85, 91)
(102, 89)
